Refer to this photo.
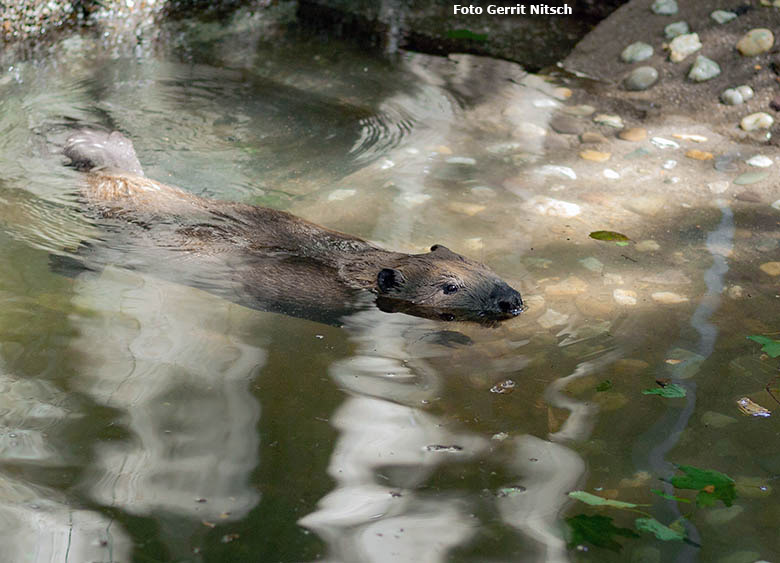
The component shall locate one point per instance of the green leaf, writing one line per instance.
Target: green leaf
(660, 531)
(605, 385)
(712, 485)
(670, 391)
(597, 530)
(609, 236)
(595, 500)
(660, 493)
(769, 346)
(466, 34)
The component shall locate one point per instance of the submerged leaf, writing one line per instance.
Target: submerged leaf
(712, 485)
(671, 391)
(596, 500)
(660, 531)
(768, 345)
(597, 530)
(609, 236)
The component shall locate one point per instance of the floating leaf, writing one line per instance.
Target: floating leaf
(660, 493)
(752, 409)
(595, 500)
(609, 236)
(712, 485)
(597, 530)
(768, 345)
(660, 531)
(671, 391)
(605, 385)
(466, 34)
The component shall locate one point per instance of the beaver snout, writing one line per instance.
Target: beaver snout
(507, 300)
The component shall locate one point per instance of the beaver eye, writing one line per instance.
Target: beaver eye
(450, 288)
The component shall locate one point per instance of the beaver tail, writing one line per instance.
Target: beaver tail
(95, 150)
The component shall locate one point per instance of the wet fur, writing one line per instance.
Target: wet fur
(281, 258)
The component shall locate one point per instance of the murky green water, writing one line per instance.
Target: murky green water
(144, 420)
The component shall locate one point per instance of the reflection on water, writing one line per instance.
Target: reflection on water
(146, 420)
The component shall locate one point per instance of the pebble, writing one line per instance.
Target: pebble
(463, 208)
(624, 297)
(703, 69)
(593, 137)
(611, 174)
(641, 78)
(745, 91)
(609, 119)
(552, 318)
(566, 125)
(570, 286)
(690, 137)
(338, 195)
(760, 161)
(735, 292)
(592, 264)
(725, 163)
(668, 298)
(776, 205)
(461, 160)
(755, 121)
(731, 97)
(562, 171)
(669, 164)
(647, 246)
(699, 155)
(636, 52)
(755, 42)
(662, 143)
(562, 93)
(683, 45)
(674, 29)
(664, 7)
(722, 16)
(633, 134)
(595, 156)
(718, 187)
(554, 207)
(771, 268)
(581, 110)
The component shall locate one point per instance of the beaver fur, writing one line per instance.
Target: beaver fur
(270, 259)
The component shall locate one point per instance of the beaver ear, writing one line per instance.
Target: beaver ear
(388, 279)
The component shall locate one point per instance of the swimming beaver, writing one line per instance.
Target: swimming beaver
(272, 260)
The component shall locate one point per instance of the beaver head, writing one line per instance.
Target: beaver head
(445, 285)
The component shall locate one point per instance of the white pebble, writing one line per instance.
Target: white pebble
(624, 297)
(718, 187)
(545, 103)
(669, 164)
(553, 170)
(668, 297)
(758, 120)
(611, 174)
(760, 161)
(662, 143)
(461, 160)
(554, 207)
(776, 205)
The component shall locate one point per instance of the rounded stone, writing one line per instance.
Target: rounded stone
(760, 161)
(566, 125)
(755, 121)
(745, 91)
(731, 97)
(636, 52)
(593, 137)
(674, 29)
(633, 134)
(722, 16)
(755, 42)
(683, 45)
(609, 119)
(664, 7)
(595, 156)
(703, 69)
(641, 78)
(699, 155)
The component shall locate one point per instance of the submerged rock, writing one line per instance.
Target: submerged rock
(722, 16)
(664, 7)
(755, 42)
(636, 52)
(641, 78)
(683, 45)
(677, 28)
(755, 121)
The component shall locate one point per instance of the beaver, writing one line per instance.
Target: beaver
(269, 259)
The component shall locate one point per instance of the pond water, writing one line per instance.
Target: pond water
(146, 420)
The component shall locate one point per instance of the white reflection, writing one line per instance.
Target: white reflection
(174, 361)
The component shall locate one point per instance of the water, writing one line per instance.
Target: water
(145, 420)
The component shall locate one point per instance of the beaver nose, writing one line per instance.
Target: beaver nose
(510, 302)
